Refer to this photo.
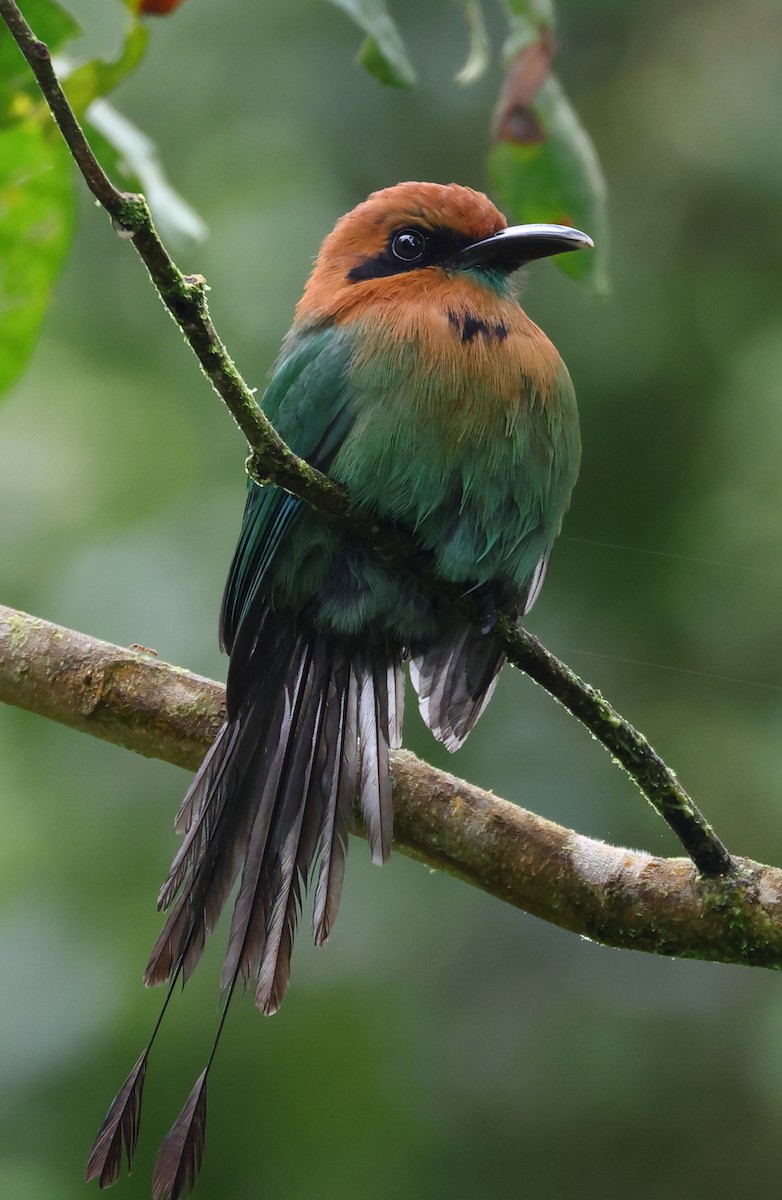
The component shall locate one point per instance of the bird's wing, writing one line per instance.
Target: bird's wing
(308, 403)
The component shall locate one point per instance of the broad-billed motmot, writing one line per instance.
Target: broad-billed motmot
(413, 377)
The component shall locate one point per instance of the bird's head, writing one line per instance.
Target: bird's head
(405, 239)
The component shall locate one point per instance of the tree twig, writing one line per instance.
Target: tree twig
(271, 461)
(618, 897)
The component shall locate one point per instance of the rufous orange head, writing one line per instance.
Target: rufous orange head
(413, 235)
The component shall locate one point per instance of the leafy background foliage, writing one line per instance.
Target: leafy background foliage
(441, 1045)
(552, 175)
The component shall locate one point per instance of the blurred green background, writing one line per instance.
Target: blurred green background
(442, 1045)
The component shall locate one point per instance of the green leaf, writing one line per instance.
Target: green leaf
(37, 218)
(543, 165)
(127, 153)
(86, 83)
(19, 92)
(383, 53)
(478, 55)
(49, 22)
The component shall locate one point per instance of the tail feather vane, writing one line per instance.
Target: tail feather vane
(248, 921)
(454, 679)
(295, 856)
(341, 782)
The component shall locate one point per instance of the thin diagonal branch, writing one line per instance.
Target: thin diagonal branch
(618, 897)
(271, 461)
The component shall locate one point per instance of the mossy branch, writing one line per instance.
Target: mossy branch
(618, 897)
(272, 462)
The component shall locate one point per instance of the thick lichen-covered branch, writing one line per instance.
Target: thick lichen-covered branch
(618, 897)
(271, 461)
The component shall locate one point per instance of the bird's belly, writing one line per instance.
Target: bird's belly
(484, 522)
(487, 500)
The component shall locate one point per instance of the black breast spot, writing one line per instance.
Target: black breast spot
(468, 327)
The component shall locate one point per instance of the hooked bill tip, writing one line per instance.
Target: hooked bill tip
(518, 245)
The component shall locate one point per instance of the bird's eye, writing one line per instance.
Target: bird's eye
(409, 245)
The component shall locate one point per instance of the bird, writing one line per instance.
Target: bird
(412, 377)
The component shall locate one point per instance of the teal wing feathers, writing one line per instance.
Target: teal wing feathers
(308, 403)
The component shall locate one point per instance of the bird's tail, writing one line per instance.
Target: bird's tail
(274, 796)
(455, 676)
(454, 679)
